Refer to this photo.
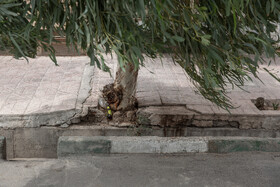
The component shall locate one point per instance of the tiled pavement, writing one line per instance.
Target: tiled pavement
(161, 82)
(39, 87)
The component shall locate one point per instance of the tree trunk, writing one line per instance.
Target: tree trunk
(126, 82)
(121, 95)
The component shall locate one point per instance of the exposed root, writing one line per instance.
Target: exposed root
(260, 103)
(112, 96)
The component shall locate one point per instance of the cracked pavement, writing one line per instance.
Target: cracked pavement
(38, 93)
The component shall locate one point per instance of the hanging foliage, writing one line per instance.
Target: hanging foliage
(217, 42)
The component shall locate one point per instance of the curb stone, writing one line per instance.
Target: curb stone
(79, 145)
(2, 150)
(157, 145)
(82, 145)
(241, 145)
(21, 139)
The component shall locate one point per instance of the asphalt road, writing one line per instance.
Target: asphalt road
(237, 169)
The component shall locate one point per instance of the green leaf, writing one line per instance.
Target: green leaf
(17, 46)
(7, 12)
(272, 5)
(87, 35)
(205, 40)
(234, 21)
(228, 7)
(178, 38)
(267, 7)
(140, 7)
(118, 27)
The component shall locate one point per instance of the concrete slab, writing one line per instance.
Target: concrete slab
(37, 93)
(163, 84)
(174, 88)
(41, 94)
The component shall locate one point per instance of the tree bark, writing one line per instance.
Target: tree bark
(121, 95)
(126, 82)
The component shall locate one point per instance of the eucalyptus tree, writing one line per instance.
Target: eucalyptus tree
(217, 42)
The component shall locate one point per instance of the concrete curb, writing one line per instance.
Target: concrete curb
(243, 144)
(42, 142)
(2, 147)
(157, 144)
(79, 145)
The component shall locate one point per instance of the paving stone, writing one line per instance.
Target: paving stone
(41, 87)
(53, 79)
(149, 101)
(38, 86)
(168, 84)
(205, 109)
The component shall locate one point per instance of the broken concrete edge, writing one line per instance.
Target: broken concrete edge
(82, 145)
(168, 116)
(84, 93)
(55, 118)
(2, 147)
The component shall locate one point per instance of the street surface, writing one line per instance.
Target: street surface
(221, 170)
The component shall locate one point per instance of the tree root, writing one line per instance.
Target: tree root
(114, 96)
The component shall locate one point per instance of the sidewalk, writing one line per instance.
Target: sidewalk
(40, 102)
(39, 93)
(167, 97)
